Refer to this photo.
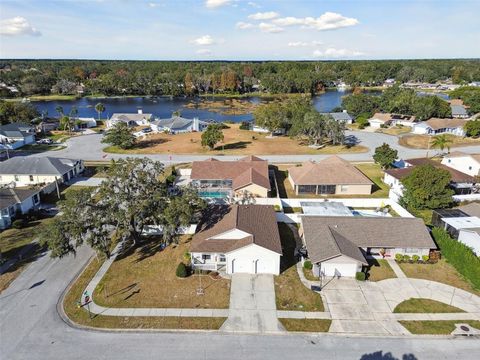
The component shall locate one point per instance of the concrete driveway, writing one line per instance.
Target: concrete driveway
(252, 305)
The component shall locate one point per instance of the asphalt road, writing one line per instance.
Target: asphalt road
(89, 147)
(32, 329)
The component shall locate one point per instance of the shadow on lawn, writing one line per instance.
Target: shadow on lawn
(233, 146)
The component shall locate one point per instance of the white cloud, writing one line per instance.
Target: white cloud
(304, 44)
(204, 40)
(216, 3)
(243, 25)
(264, 15)
(270, 28)
(154, 5)
(204, 52)
(17, 26)
(253, 4)
(326, 21)
(337, 53)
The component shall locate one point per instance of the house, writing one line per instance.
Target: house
(403, 120)
(330, 176)
(46, 124)
(29, 170)
(461, 183)
(462, 223)
(178, 124)
(389, 83)
(343, 116)
(458, 109)
(380, 119)
(475, 83)
(341, 245)
(259, 129)
(237, 239)
(222, 179)
(465, 163)
(84, 122)
(14, 201)
(15, 135)
(436, 126)
(131, 119)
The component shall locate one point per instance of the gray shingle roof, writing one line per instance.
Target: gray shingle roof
(16, 130)
(29, 165)
(340, 116)
(458, 110)
(176, 122)
(329, 236)
(10, 197)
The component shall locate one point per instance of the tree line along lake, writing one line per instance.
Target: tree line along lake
(205, 108)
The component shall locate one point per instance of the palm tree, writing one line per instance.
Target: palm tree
(441, 142)
(73, 115)
(59, 110)
(99, 108)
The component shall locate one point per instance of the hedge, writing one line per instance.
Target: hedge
(459, 255)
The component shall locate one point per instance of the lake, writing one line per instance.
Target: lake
(163, 107)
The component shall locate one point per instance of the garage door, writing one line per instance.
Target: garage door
(341, 269)
(242, 265)
(263, 266)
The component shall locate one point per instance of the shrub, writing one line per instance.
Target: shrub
(399, 257)
(18, 224)
(181, 270)
(425, 258)
(415, 258)
(360, 276)
(277, 208)
(406, 258)
(245, 125)
(308, 265)
(460, 256)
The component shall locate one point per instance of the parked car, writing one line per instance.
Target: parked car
(147, 130)
(45, 141)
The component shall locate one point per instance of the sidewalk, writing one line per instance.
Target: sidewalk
(396, 269)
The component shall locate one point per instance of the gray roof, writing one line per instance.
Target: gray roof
(126, 117)
(325, 208)
(16, 130)
(29, 165)
(339, 116)
(327, 237)
(176, 122)
(458, 110)
(472, 209)
(10, 197)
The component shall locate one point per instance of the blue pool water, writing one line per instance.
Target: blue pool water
(213, 194)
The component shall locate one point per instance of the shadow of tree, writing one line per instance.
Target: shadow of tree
(233, 146)
(379, 355)
(150, 142)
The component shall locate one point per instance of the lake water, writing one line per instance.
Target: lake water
(163, 107)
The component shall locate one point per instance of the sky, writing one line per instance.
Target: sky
(239, 29)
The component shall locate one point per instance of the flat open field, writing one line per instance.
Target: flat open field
(236, 142)
(421, 141)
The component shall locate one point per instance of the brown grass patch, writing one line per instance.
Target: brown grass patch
(308, 325)
(422, 141)
(380, 270)
(425, 306)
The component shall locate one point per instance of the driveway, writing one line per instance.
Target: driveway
(252, 305)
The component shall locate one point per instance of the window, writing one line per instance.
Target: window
(469, 168)
(206, 257)
(344, 188)
(326, 189)
(222, 258)
(31, 177)
(307, 189)
(16, 177)
(36, 199)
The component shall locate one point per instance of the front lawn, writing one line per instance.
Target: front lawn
(379, 269)
(307, 325)
(436, 327)
(427, 306)
(80, 315)
(422, 141)
(145, 277)
(441, 272)
(290, 293)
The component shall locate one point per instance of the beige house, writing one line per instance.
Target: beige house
(220, 179)
(331, 176)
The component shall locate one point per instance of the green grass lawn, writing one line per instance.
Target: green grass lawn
(436, 327)
(307, 325)
(374, 172)
(425, 306)
(379, 269)
(41, 147)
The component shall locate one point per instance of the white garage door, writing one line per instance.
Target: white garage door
(342, 269)
(242, 265)
(263, 266)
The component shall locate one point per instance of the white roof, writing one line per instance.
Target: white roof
(463, 222)
(325, 208)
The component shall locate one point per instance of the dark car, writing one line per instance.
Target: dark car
(147, 130)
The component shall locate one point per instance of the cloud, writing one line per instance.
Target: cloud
(154, 5)
(216, 3)
(243, 25)
(264, 15)
(337, 53)
(304, 44)
(326, 21)
(204, 52)
(204, 40)
(17, 26)
(253, 4)
(269, 28)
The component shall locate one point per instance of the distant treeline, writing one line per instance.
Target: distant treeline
(44, 77)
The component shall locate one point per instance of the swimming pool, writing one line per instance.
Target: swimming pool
(213, 194)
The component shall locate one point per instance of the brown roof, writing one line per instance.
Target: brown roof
(456, 102)
(258, 221)
(472, 209)
(436, 123)
(385, 117)
(330, 171)
(457, 176)
(248, 170)
(327, 237)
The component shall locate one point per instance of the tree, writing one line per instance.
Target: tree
(16, 112)
(312, 126)
(427, 187)
(120, 135)
(385, 156)
(271, 116)
(133, 196)
(361, 103)
(441, 142)
(335, 131)
(59, 110)
(212, 135)
(472, 128)
(99, 108)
